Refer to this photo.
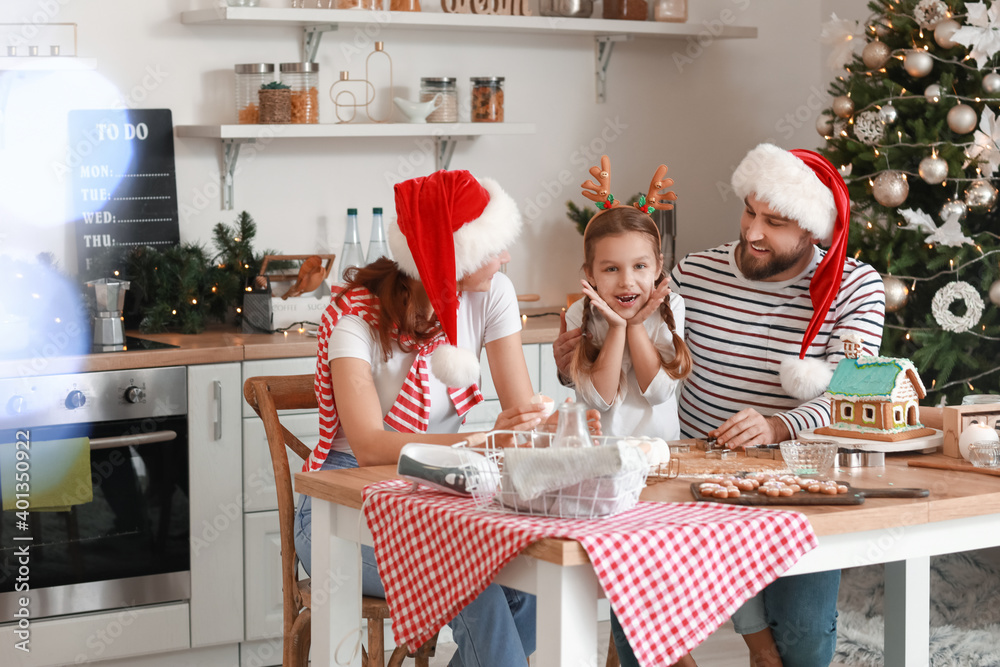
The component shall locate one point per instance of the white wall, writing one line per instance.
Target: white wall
(699, 116)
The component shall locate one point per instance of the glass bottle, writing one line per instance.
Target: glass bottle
(377, 246)
(571, 429)
(626, 10)
(351, 255)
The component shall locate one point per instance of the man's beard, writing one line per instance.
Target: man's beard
(762, 269)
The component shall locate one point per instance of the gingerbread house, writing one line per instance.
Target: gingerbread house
(875, 398)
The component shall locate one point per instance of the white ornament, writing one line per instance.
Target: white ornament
(949, 234)
(991, 83)
(932, 93)
(995, 293)
(929, 13)
(918, 63)
(843, 35)
(981, 196)
(957, 291)
(869, 128)
(944, 31)
(982, 33)
(933, 170)
(824, 125)
(890, 189)
(889, 114)
(962, 119)
(985, 151)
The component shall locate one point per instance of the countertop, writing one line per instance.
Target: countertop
(221, 344)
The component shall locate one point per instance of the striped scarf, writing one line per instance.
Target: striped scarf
(410, 413)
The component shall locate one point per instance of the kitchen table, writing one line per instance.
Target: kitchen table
(961, 513)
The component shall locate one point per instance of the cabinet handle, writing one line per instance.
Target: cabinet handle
(132, 440)
(217, 385)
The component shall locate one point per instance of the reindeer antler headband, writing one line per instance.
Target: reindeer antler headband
(652, 200)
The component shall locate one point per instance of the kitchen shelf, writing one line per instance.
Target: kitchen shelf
(314, 22)
(445, 136)
(45, 63)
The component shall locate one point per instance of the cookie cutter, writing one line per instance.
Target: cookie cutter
(764, 452)
(859, 458)
(720, 453)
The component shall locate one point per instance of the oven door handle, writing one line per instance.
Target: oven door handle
(135, 439)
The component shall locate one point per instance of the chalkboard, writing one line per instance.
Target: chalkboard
(122, 179)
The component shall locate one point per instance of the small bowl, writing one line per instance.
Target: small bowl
(985, 454)
(808, 458)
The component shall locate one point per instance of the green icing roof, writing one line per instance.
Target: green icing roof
(866, 376)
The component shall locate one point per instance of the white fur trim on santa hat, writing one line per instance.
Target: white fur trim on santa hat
(805, 379)
(455, 366)
(476, 241)
(789, 186)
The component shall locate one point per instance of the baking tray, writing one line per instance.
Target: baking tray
(854, 496)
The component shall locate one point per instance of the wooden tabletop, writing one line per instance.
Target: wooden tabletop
(953, 495)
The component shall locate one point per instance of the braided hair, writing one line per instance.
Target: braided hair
(614, 222)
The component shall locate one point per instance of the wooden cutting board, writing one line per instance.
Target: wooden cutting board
(942, 462)
(854, 496)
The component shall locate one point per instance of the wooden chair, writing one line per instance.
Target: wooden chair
(267, 395)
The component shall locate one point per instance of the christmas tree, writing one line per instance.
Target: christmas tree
(913, 129)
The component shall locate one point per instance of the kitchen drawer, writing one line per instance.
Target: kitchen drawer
(262, 564)
(293, 366)
(258, 473)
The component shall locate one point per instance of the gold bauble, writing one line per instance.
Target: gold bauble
(933, 170)
(875, 54)
(995, 293)
(890, 189)
(991, 83)
(824, 125)
(981, 196)
(843, 106)
(896, 293)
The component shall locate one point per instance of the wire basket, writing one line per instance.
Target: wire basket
(592, 497)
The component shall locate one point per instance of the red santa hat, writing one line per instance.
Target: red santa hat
(803, 186)
(448, 225)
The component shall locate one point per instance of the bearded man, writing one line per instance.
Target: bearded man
(764, 317)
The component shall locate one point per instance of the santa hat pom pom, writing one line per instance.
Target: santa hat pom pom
(805, 379)
(455, 366)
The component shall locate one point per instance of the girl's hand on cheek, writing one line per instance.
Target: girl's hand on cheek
(661, 292)
(613, 318)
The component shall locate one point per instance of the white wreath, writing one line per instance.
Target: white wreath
(949, 294)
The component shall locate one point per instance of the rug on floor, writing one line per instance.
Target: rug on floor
(964, 613)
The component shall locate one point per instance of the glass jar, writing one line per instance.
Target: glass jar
(487, 99)
(303, 79)
(628, 10)
(447, 110)
(671, 10)
(357, 4)
(249, 78)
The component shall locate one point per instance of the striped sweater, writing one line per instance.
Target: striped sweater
(740, 330)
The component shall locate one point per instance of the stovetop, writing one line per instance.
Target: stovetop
(131, 345)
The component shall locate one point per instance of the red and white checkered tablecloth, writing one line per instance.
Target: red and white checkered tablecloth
(673, 572)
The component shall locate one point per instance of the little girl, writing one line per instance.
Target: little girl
(631, 357)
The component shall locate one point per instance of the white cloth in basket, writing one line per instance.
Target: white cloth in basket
(534, 472)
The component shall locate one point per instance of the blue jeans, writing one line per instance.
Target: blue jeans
(497, 629)
(802, 615)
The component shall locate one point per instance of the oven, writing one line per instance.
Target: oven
(128, 546)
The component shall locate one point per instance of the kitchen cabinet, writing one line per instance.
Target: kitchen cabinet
(215, 393)
(314, 23)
